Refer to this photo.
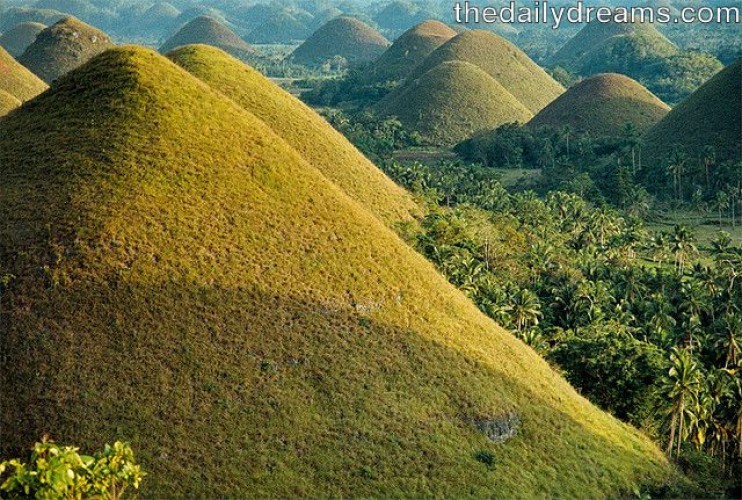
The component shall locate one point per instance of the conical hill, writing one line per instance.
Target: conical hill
(17, 39)
(302, 128)
(209, 31)
(709, 117)
(410, 50)
(184, 280)
(452, 102)
(345, 37)
(18, 81)
(603, 105)
(63, 47)
(503, 61)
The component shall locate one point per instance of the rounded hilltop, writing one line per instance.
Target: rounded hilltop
(209, 31)
(17, 39)
(603, 105)
(709, 117)
(409, 50)
(281, 27)
(63, 47)
(17, 15)
(343, 37)
(503, 61)
(452, 102)
(250, 329)
(17, 80)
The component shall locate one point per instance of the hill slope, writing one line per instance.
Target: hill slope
(609, 47)
(452, 102)
(503, 61)
(17, 39)
(63, 47)
(410, 50)
(17, 15)
(709, 117)
(345, 37)
(210, 32)
(301, 128)
(603, 105)
(17, 80)
(212, 298)
(7, 103)
(281, 27)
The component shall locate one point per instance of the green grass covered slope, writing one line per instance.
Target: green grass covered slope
(209, 31)
(17, 39)
(7, 103)
(409, 50)
(345, 37)
(452, 102)
(184, 280)
(18, 81)
(303, 129)
(63, 47)
(607, 47)
(503, 61)
(709, 117)
(602, 105)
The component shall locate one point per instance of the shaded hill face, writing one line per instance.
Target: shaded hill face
(212, 298)
(63, 47)
(18, 81)
(603, 105)
(620, 47)
(302, 128)
(344, 37)
(503, 61)
(17, 39)
(7, 103)
(452, 102)
(410, 50)
(17, 15)
(208, 31)
(709, 117)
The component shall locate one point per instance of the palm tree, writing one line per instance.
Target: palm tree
(681, 387)
(682, 245)
(722, 203)
(526, 309)
(730, 343)
(709, 158)
(676, 169)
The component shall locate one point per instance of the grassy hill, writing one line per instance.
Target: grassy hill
(503, 61)
(16, 80)
(302, 128)
(410, 50)
(282, 28)
(613, 47)
(399, 15)
(603, 105)
(7, 103)
(452, 102)
(63, 47)
(709, 117)
(17, 15)
(186, 281)
(344, 37)
(210, 32)
(17, 39)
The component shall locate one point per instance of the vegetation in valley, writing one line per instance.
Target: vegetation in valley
(278, 339)
(63, 47)
(602, 106)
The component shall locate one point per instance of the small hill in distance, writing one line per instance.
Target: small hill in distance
(410, 50)
(160, 19)
(709, 117)
(7, 103)
(216, 301)
(345, 37)
(17, 39)
(452, 102)
(602, 106)
(302, 128)
(209, 31)
(17, 80)
(282, 27)
(63, 47)
(17, 15)
(613, 47)
(399, 16)
(503, 61)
